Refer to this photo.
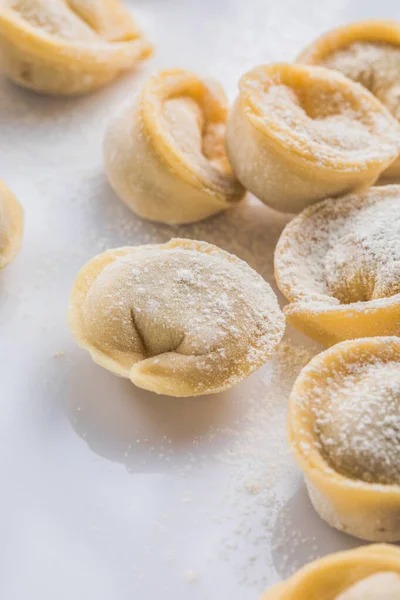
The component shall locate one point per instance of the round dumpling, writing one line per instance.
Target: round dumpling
(365, 573)
(68, 46)
(165, 152)
(338, 263)
(380, 586)
(358, 423)
(183, 318)
(367, 52)
(344, 431)
(298, 134)
(11, 226)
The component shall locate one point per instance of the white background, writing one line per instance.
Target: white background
(108, 492)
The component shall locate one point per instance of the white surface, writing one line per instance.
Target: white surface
(109, 492)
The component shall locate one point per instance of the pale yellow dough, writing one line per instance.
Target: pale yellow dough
(183, 318)
(165, 151)
(344, 432)
(366, 573)
(66, 47)
(381, 586)
(338, 264)
(367, 52)
(11, 226)
(298, 134)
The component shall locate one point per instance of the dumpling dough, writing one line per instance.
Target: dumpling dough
(338, 263)
(368, 52)
(366, 573)
(183, 318)
(165, 152)
(68, 46)
(11, 226)
(382, 586)
(298, 134)
(344, 431)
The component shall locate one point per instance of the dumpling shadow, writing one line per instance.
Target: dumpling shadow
(144, 431)
(23, 105)
(300, 535)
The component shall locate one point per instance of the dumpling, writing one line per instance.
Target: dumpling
(182, 318)
(368, 52)
(366, 573)
(298, 134)
(165, 151)
(380, 586)
(338, 263)
(344, 432)
(68, 46)
(11, 226)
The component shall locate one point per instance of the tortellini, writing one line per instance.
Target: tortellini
(68, 46)
(165, 152)
(182, 318)
(367, 52)
(338, 263)
(344, 431)
(298, 134)
(380, 586)
(11, 226)
(367, 573)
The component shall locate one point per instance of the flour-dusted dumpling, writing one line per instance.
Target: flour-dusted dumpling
(344, 431)
(68, 46)
(380, 586)
(298, 134)
(165, 151)
(367, 52)
(366, 573)
(11, 226)
(338, 263)
(183, 318)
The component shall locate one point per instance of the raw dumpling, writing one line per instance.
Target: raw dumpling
(338, 263)
(68, 46)
(380, 586)
(165, 152)
(366, 573)
(298, 134)
(183, 318)
(367, 52)
(11, 226)
(344, 431)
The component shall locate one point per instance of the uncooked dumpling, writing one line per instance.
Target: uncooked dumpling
(182, 318)
(298, 134)
(366, 573)
(165, 151)
(68, 46)
(338, 263)
(380, 586)
(11, 226)
(344, 431)
(367, 52)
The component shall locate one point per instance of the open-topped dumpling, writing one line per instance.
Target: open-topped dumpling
(368, 52)
(68, 46)
(338, 263)
(298, 134)
(183, 318)
(165, 152)
(367, 573)
(344, 431)
(11, 226)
